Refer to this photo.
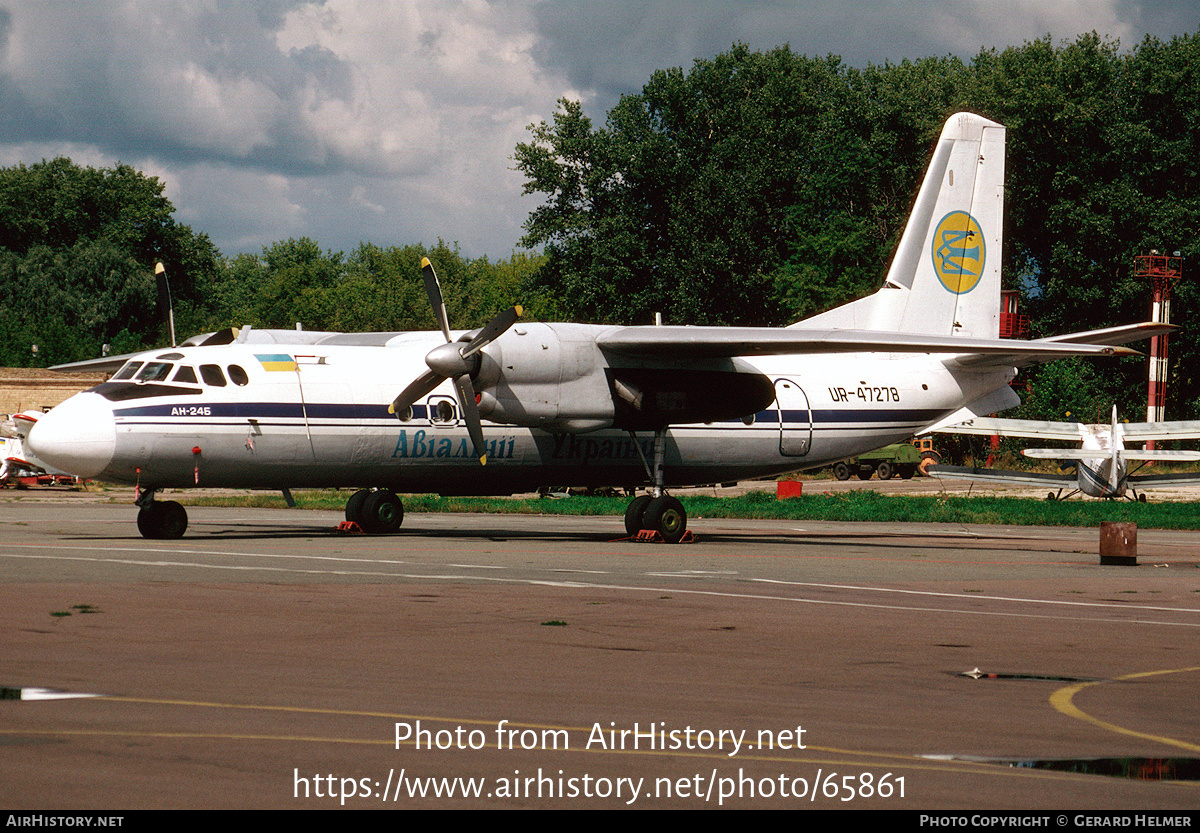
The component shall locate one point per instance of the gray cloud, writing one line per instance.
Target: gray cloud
(396, 120)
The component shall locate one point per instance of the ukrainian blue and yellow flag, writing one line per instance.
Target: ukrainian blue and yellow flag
(276, 361)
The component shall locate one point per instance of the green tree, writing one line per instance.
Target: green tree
(78, 248)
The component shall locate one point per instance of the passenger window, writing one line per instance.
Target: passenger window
(127, 371)
(237, 375)
(155, 372)
(185, 374)
(212, 375)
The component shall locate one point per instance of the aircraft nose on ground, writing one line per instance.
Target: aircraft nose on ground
(77, 437)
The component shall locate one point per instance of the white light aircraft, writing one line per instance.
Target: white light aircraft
(588, 405)
(1101, 463)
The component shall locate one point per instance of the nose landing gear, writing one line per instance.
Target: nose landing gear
(161, 519)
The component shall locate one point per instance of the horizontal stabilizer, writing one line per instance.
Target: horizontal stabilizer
(1116, 335)
(1163, 454)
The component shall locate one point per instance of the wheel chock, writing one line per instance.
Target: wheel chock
(349, 528)
(653, 536)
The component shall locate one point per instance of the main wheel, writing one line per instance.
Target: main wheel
(635, 512)
(841, 471)
(666, 514)
(162, 520)
(382, 512)
(354, 505)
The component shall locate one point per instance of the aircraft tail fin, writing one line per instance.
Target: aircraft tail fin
(945, 276)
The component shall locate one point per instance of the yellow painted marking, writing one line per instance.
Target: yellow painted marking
(1062, 701)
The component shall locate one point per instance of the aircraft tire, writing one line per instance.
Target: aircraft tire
(354, 506)
(635, 513)
(382, 513)
(666, 515)
(162, 520)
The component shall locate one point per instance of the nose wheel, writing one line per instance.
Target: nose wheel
(162, 520)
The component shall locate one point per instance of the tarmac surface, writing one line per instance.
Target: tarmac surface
(263, 661)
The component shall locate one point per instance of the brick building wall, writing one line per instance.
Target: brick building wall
(22, 388)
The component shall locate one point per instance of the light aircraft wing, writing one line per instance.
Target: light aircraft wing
(1186, 430)
(726, 342)
(1150, 481)
(1161, 455)
(986, 426)
(1023, 478)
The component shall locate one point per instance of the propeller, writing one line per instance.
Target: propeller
(454, 360)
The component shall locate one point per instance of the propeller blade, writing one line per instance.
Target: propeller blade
(466, 398)
(420, 386)
(434, 290)
(492, 331)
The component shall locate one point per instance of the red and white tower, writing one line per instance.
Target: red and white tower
(1163, 271)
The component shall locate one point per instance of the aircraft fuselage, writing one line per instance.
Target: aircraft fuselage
(316, 415)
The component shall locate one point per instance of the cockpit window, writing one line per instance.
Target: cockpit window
(212, 375)
(185, 374)
(155, 372)
(237, 375)
(127, 371)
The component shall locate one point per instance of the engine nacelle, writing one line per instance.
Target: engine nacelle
(554, 377)
(549, 376)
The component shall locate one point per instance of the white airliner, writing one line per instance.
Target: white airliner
(588, 405)
(1101, 463)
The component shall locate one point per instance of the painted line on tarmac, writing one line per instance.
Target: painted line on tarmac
(1063, 701)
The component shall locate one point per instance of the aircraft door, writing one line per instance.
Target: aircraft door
(795, 419)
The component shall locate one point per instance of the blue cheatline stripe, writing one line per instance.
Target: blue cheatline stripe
(268, 410)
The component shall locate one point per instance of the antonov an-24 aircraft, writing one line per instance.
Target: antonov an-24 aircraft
(588, 405)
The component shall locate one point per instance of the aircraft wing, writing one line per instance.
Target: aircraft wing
(1022, 478)
(1187, 430)
(108, 364)
(1068, 431)
(1150, 481)
(727, 342)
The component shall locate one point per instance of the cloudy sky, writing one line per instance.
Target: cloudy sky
(394, 121)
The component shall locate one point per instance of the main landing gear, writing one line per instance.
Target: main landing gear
(656, 511)
(376, 511)
(161, 519)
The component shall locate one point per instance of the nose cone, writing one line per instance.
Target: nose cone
(77, 437)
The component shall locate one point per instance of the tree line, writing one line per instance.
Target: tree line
(751, 188)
